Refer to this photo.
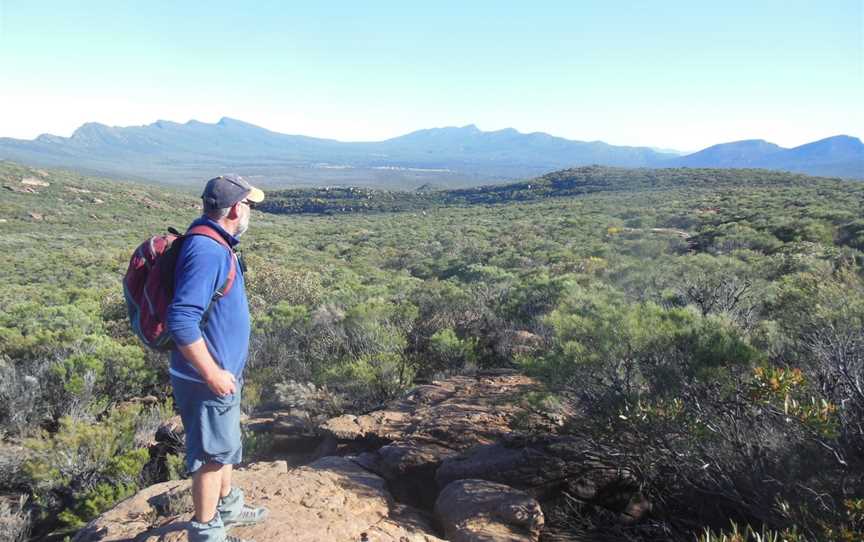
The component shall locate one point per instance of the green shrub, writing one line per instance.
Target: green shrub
(448, 352)
(637, 349)
(176, 466)
(85, 468)
(372, 379)
(89, 504)
(749, 534)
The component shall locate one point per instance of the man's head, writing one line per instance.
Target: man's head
(227, 199)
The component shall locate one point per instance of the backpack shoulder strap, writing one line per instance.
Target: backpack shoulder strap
(207, 231)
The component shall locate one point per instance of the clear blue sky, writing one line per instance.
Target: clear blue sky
(679, 74)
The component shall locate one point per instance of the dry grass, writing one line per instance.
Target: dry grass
(14, 520)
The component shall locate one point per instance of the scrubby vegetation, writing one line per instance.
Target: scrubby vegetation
(569, 182)
(706, 325)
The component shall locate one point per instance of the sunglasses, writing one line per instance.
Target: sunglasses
(251, 204)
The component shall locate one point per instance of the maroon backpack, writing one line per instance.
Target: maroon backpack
(149, 284)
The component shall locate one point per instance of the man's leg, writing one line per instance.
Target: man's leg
(207, 483)
(212, 441)
(207, 525)
(226, 480)
(232, 505)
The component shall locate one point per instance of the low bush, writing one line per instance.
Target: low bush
(14, 521)
(715, 428)
(84, 468)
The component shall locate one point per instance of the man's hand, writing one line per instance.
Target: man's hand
(222, 383)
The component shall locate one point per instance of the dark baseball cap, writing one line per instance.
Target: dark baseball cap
(226, 190)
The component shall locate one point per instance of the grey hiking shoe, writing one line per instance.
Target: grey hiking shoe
(212, 531)
(248, 516)
(233, 510)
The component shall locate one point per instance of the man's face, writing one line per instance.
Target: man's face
(245, 213)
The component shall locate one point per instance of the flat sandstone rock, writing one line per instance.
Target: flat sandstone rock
(333, 499)
(483, 511)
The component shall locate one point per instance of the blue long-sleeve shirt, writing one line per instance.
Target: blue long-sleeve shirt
(202, 267)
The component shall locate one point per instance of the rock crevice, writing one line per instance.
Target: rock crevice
(444, 462)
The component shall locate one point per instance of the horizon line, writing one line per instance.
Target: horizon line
(656, 148)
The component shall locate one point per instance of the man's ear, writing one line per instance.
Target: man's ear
(234, 213)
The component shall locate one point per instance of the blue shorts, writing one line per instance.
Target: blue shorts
(211, 424)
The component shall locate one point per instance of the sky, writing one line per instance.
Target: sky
(667, 73)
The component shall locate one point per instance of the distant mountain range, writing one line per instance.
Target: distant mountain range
(838, 156)
(450, 157)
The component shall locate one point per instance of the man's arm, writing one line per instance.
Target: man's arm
(197, 276)
(220, 381)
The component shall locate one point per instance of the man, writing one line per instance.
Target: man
(211, 337)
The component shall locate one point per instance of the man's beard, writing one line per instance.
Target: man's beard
(243, 225)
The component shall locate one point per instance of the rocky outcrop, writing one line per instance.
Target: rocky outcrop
(26, 185)
(410, 470)
(467, 458)
(76, 189)
(546, 466)
(331, 499)
(456, 413)
(20, 189)
(407, 441)
(480, 511)
(291, 416)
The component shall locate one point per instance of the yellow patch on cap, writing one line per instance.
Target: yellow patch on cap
(255, 195)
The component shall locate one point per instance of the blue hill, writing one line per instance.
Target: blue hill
(452, 156)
